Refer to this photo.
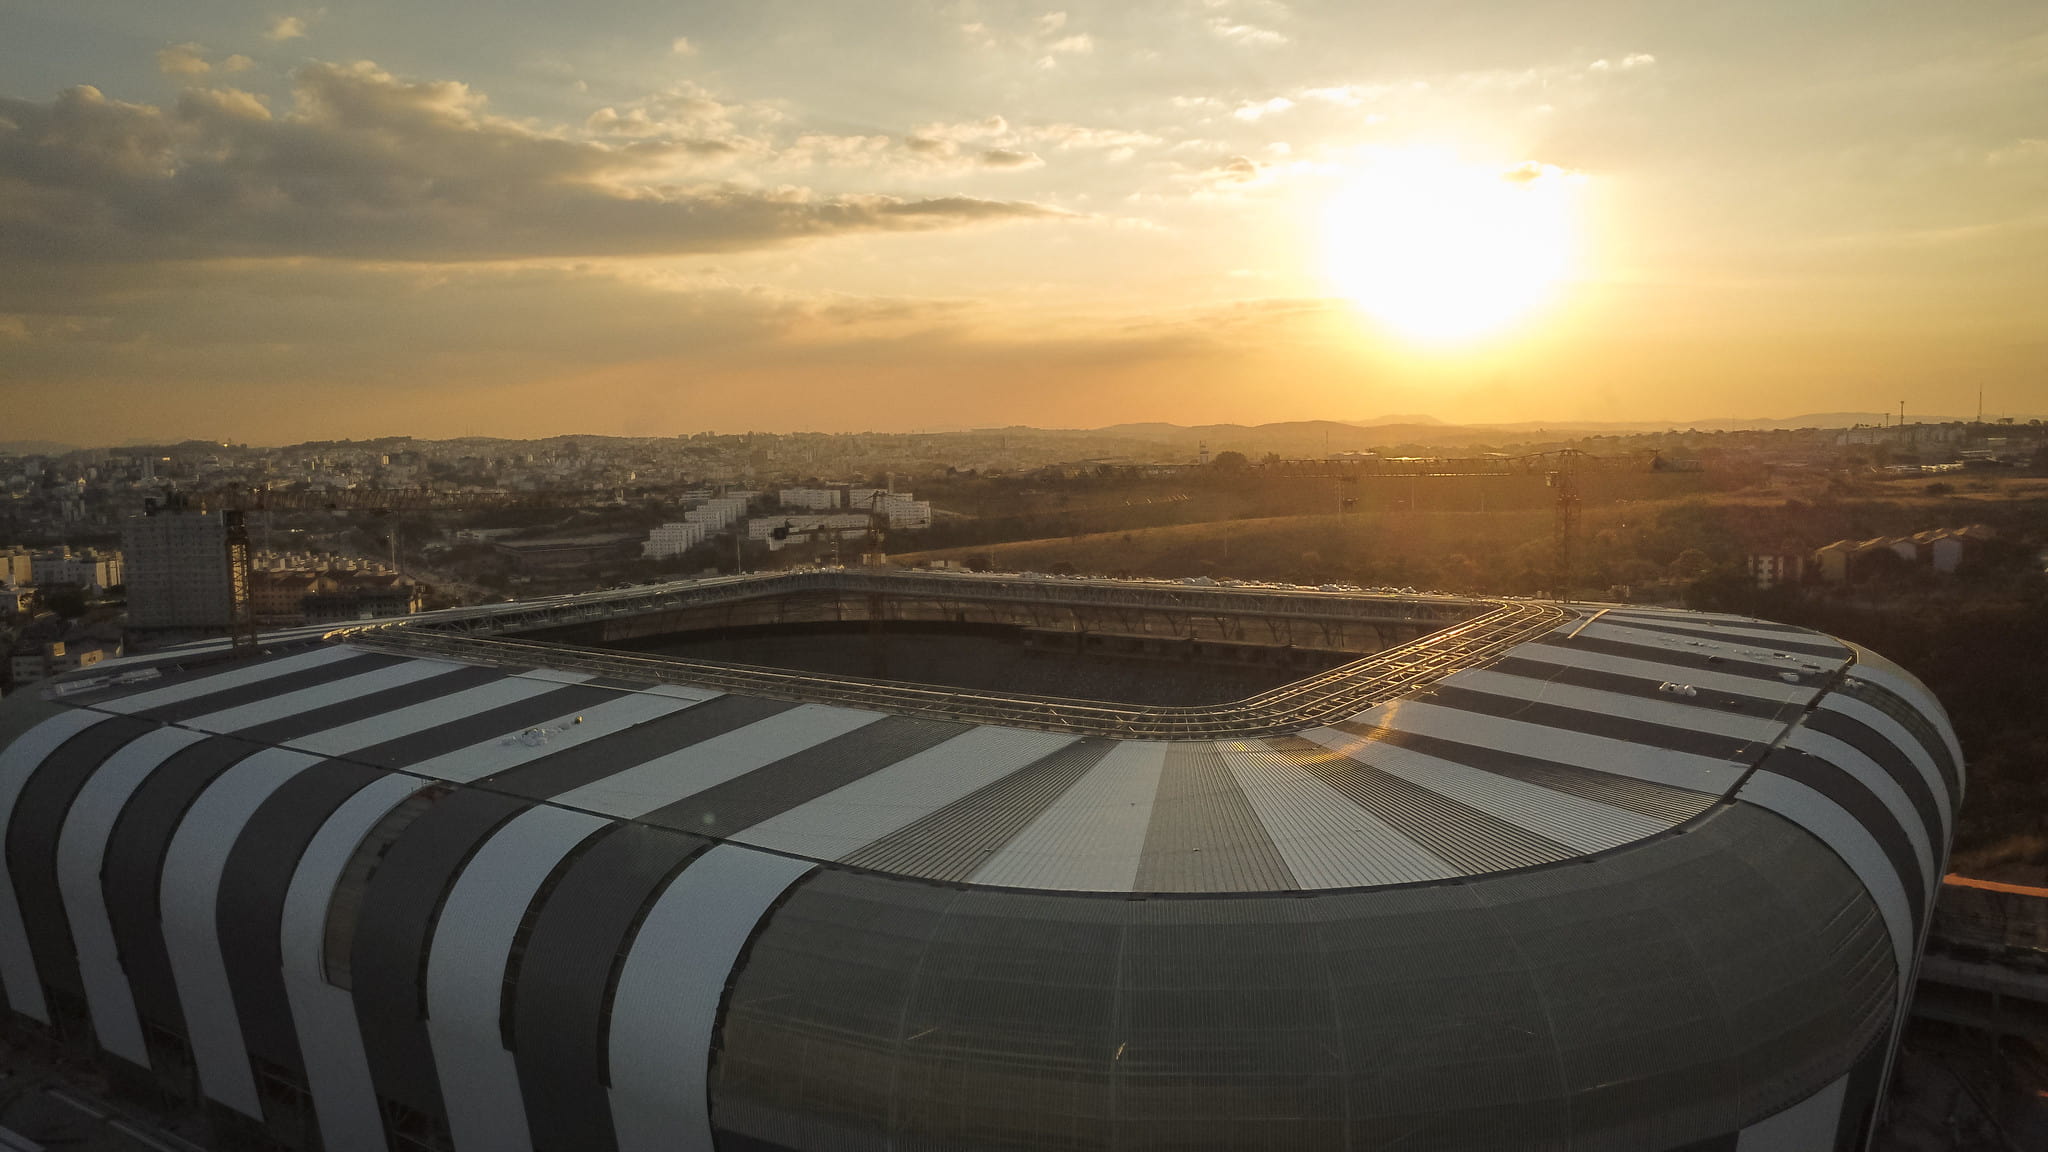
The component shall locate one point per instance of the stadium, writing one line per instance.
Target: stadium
(851, 859)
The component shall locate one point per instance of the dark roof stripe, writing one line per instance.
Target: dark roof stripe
(369, 704)
(419, 747)
(254, 881)
(1204, 835)
(1888, 757)
(132, 877)
(32, 833)
(773, 789)
(1747, 622)
(1643, 797)
(578, 940)
(1916, 723)
(393, 928)
(1842, 787)
(1714, 699)
(263, 689)
(1819, 646)
(1454, 831)
(954, 841)
(571, 768)
(1667, 736)
(1699, 659)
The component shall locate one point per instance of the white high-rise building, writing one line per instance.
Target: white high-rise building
(672, 539)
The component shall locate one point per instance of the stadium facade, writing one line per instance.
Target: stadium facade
(1530, 877)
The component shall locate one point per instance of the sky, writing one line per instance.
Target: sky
(269, 223)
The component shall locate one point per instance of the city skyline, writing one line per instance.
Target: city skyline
(272, 224)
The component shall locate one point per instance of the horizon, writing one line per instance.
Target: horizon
(276, 223)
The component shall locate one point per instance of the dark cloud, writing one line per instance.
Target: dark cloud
(366, 165)
(1009, 158)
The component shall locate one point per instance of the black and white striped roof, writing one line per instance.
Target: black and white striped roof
(1611, 730)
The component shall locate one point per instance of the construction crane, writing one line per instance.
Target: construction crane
(234, 505)
(1559, 469)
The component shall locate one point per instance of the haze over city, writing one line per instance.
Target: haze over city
(272, 223)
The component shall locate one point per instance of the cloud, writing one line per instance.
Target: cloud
(284, 28)
(1076, 137)
(681, 46)
(1051, 22)
(183, 60)
(1629, 63)
(366, 165)
(1224, 28)
(1079, 45)
(1255, 109)
(1007, 158)
(237, 63)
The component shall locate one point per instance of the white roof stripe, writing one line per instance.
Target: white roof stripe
(320, 695)
(507, 751)
(1801, 692)
(1599, 753)
(638, 789)
(1586, 825)
(1327, 840)
(421, 717)
(1669, 713)
(851, 817)
(232, 676)
(1091, 838)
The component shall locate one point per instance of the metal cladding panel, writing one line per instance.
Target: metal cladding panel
(81, 855)
(466, 975)
(1894, 678)
(1657, 998)
(850, 818)
(949, 843)
(1582, 824)
(1731, 659)
(1091, 838)
(1846, 791)
(323, 1016)
(18, 760)
(1814, 644)
(740, 738)
(1898, 751)
(392, 932)
(1468, 839)
(224, 686)
(1204, 835)
(32, 831)
(1812, 1125)
(1327, 840)
(1742, 719)
(371, 705)
(665, 1009)
(1618, 719)
(483, 725)
(642, 753)
(132, 875)
(1921, 827)
(270, 709)
(439, 712)
(1718, 619)
(1617, 756)
(725, 809)
(1524, 658)
(1835, 827)
(1856, 696)
(1707, 704)
(252, 896)
(559, 1003)
(190, 904)
(1658, 802)
(504, 753)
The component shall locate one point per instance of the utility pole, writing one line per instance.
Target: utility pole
(1566, 483)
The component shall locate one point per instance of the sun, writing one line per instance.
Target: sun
(1445, 251)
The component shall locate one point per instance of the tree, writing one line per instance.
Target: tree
(1229, 462)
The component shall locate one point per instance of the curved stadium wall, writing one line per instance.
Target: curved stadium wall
(1614, 879)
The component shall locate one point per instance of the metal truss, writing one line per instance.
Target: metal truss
(1478, 631)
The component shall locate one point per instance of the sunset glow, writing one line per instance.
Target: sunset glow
(1444, 251)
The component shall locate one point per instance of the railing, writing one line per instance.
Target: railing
(1321, 698)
